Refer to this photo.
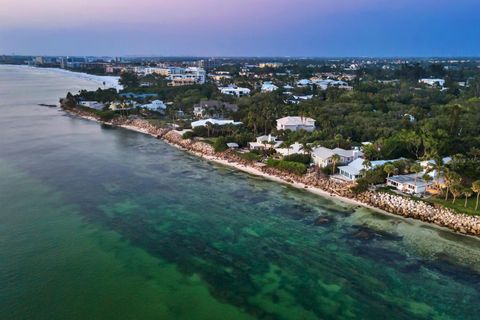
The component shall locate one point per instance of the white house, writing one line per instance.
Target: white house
(235, 91)
(202, 123)
(295, 148)
(322, 156)
(352, 171)
(92, 104)
(410, 183)
(155, 105)
(324, 84)
(433, 82)
(296, 124)
(268, 86)
(303, 83)
(265, 142)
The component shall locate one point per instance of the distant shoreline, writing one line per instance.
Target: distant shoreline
(110, 81)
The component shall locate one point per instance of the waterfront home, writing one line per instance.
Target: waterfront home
(92, 105)
(213, 108)
(155, 105)
(433, 82)
(296, 124)
(265, 142)
(204, 122)
(354, 169)
(295, 148)
(322, 156)
(268, 86)
(235, 91)
(410, 183)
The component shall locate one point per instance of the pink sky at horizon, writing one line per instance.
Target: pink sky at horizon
(240, 27)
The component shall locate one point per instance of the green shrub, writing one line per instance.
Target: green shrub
(188, 135)
(220, 144)
(301, 158)
(250, 156)
(288, 166)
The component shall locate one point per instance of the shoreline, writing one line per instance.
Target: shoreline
(391, 205)
(110, 81)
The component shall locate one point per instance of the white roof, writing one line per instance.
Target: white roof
(325, 153)
(295, 121)
(293, 149)
(356, 166)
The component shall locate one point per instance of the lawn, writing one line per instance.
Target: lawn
(459, 205)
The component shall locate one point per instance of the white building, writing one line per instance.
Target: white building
(410, 183)
(322, 156)
(235, 91)
(295, 148)
(353, 170)
(303, 83)
(186, 76)
(433, 82)
(155, 105)
(268, 87)
(202, 123)
(296, 124)
(324, 84)
(265, 142)
(92, 104)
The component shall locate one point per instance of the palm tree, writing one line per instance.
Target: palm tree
(416, 168)
(335, 159)
(467, 192)
(456, 190)
(451, 178)
(438, 166)
(389, 169)
(476, 189)
(428, 178)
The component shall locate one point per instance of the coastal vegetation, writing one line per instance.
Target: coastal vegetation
(387, 113)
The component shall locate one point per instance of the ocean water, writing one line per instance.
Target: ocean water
(102, 223)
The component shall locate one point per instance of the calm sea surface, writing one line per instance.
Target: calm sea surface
(103, 223)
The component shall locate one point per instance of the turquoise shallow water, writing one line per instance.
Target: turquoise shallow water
(102, 223)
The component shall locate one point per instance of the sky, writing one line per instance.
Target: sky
(302, 28)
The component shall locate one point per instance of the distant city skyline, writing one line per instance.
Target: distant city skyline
(303, 28)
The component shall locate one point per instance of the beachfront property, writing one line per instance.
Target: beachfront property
(92, 105)
(354, 169)
(268, 86)
(296, 124)
(296, 148)
(322, 157)
(204, 122)
(235, 91)
(410, 183)
(265, 142)
(213, 108)
(155, 105)
(433, 82)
